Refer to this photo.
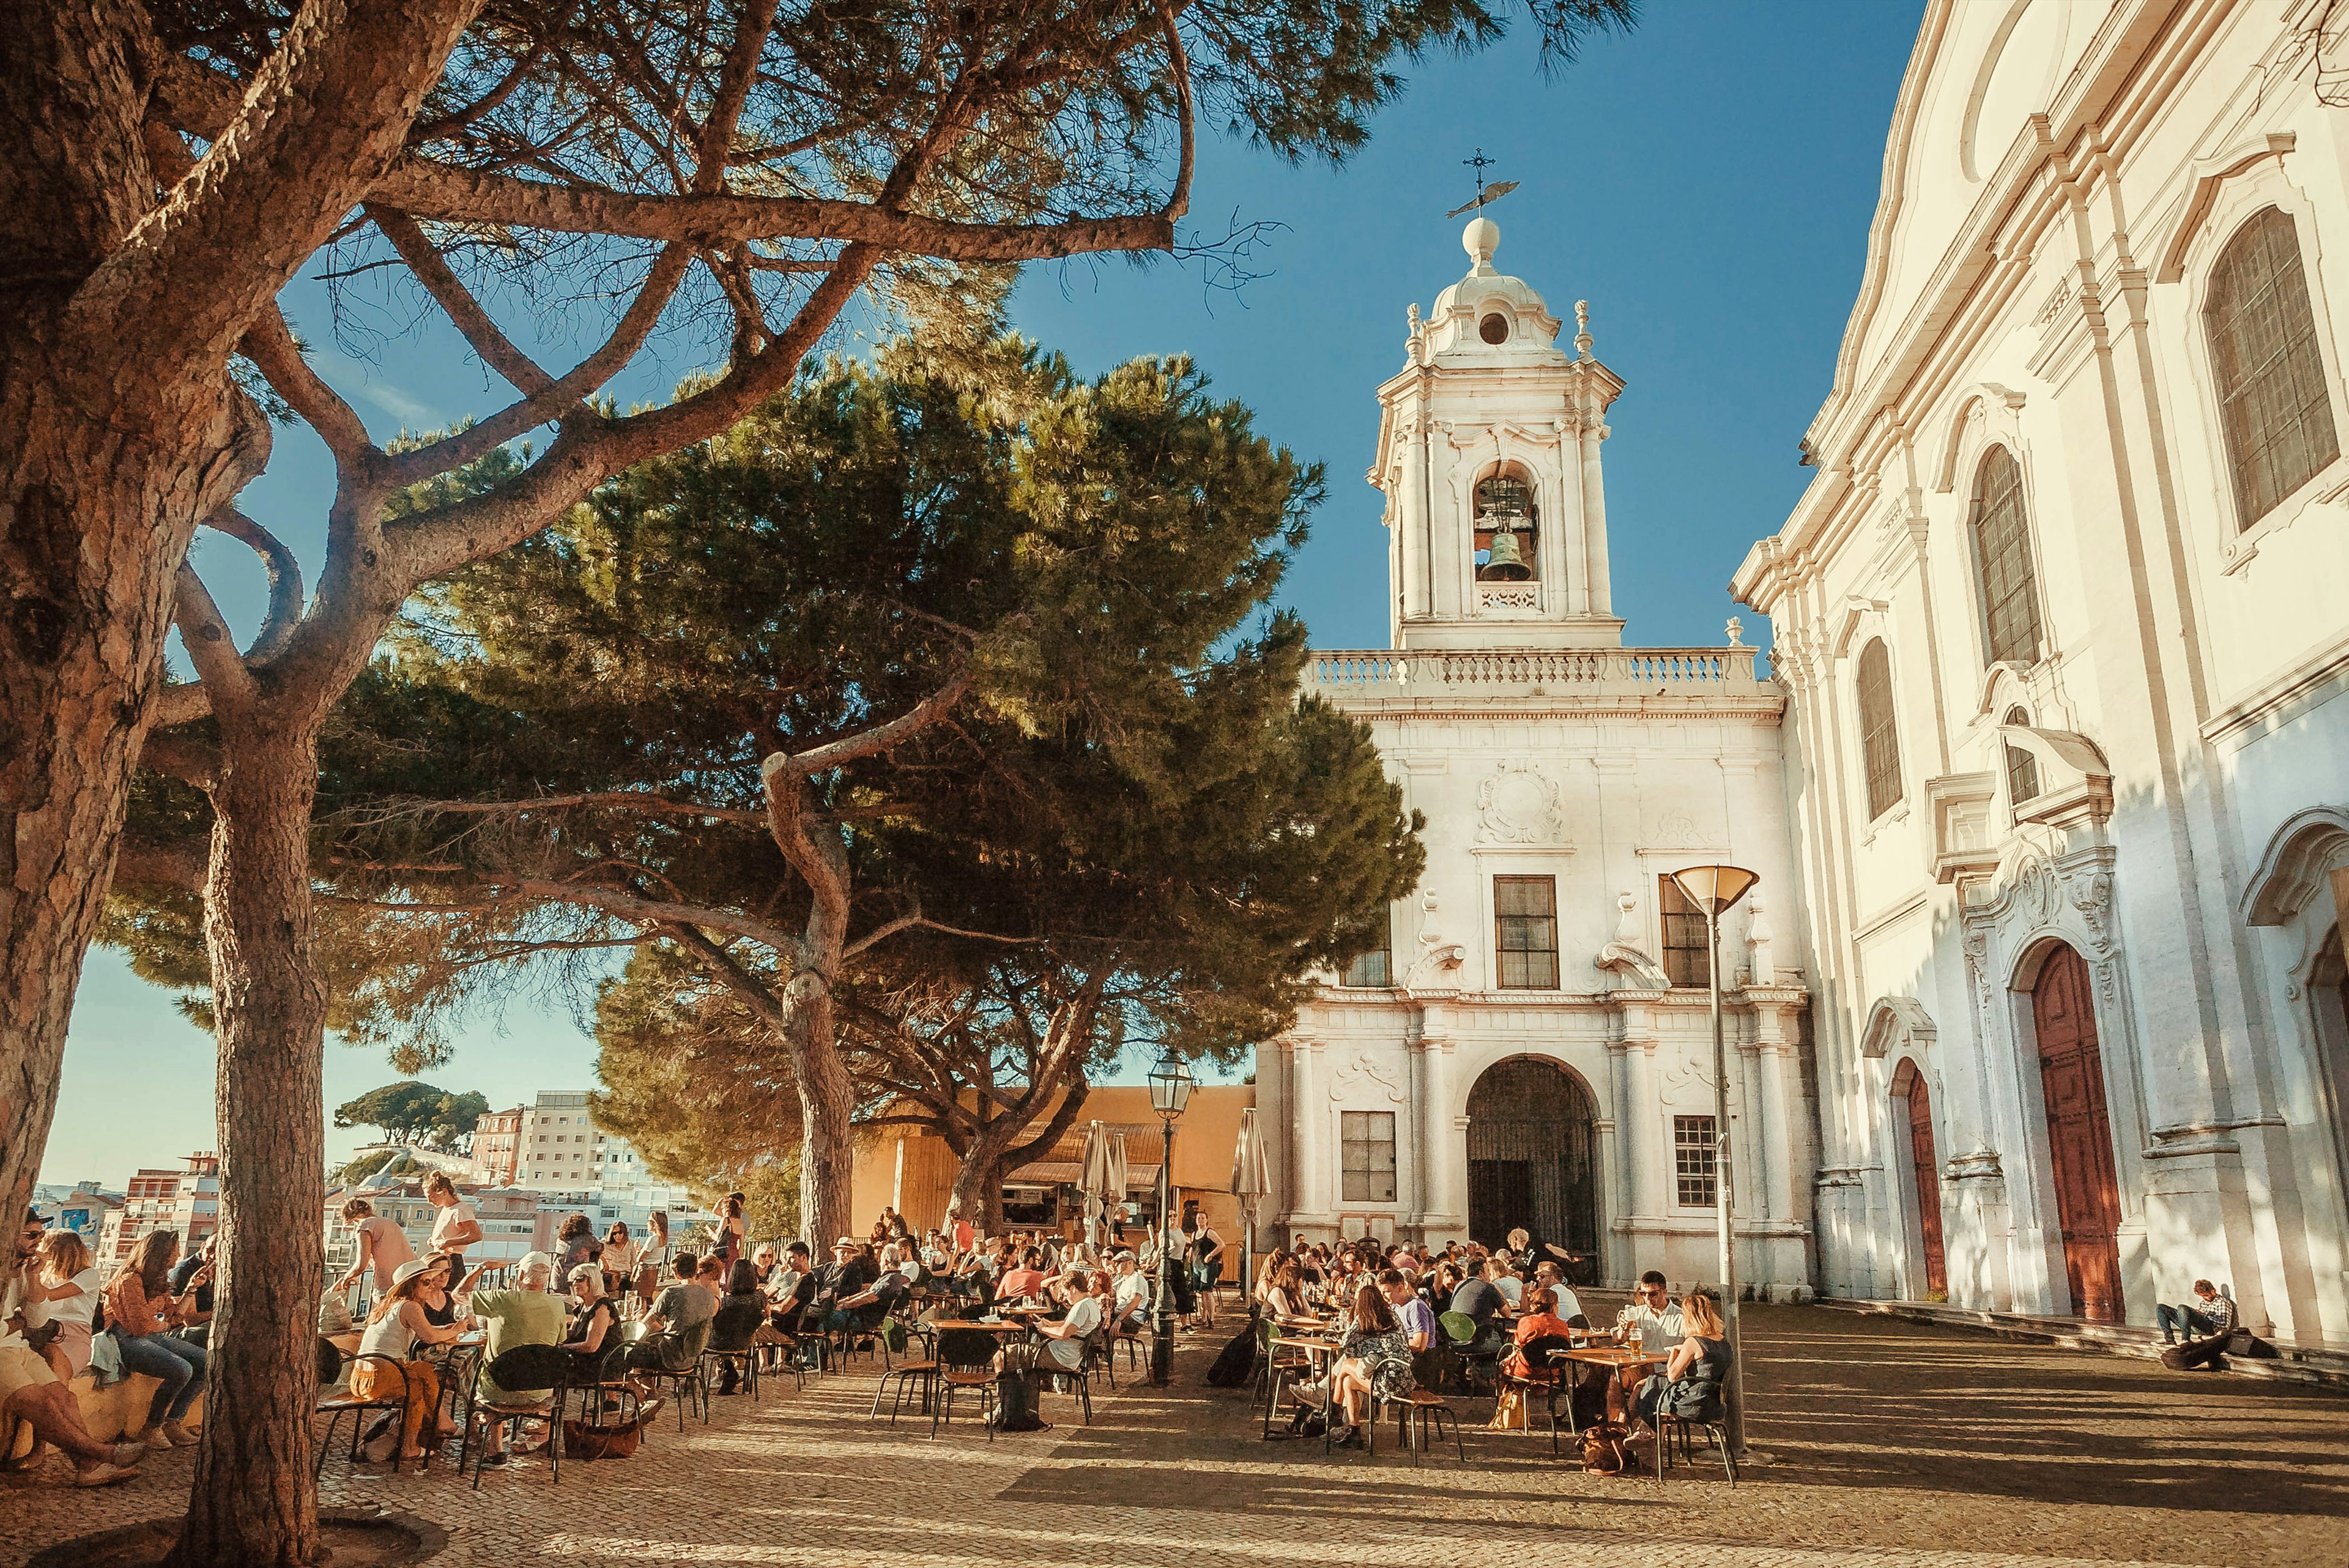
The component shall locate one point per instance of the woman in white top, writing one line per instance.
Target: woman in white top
(64, 1292)
(395, 1326)
(620, 1257)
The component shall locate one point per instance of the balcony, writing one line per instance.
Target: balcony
(1349, 678)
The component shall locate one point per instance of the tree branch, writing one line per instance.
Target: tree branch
(269, 344)
(284, 573)
(227, 680)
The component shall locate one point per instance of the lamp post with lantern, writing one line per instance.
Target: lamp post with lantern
(1170, 1091)
(1714, 890)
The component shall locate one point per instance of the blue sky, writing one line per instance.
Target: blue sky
(1706, 184)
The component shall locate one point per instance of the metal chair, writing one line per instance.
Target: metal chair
(1461, 1329)
(335, 1400)
(1715, 1422)
(531, 1367)
(1416, 1410)
(732, 1335)
(1542, 1372)
(680, 1365)
(966, 1360)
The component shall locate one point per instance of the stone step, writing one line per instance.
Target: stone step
(2322, 1365)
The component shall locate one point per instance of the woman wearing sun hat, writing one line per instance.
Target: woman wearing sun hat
(394, 1328)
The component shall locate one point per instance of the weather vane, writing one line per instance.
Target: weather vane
(1485, 194)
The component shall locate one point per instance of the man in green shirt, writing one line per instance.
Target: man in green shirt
(523, 1315)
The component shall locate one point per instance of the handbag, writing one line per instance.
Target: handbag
(1602, 1448)
(334, 1314)
(583, 1439)
(1508, 1412)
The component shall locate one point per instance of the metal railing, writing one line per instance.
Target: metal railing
(1593, 671)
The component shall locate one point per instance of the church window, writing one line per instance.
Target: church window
(2021, 767)
(1687, 957)
(1525, 918)
(2273, 400)
(1371, 970)
(1493, 328)
(2010, 596)
(1369, 1147)
(1507, 524)
(1692, 1161)
(1879, 742)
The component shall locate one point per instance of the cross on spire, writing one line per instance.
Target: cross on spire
(1485, 194)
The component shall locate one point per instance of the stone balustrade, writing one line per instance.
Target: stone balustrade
(1359, 673)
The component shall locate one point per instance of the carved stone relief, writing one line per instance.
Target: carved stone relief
(1359, 1078)
(1519, 804)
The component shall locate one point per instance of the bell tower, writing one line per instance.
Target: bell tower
(1489, 458)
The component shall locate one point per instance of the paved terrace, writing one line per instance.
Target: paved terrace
(1897, 1444)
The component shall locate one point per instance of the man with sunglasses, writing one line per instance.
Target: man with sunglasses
(1652, 1316)
(30, 1392)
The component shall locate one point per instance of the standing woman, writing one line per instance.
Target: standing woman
(652, 1262)
(730, 1246)
(619, 1261)
(141, 1313)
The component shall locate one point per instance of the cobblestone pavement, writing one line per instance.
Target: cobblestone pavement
(1894, 1444)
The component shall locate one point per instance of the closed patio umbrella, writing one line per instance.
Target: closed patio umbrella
(1119, 1173)
(1249, 1185)
(1098, 1180)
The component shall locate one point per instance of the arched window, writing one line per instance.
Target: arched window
(2021, 767)
(2010, 597)
(1508, 526)
(2272, 401)
(1879, 742)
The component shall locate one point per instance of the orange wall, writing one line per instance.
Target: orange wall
(1204, 1142)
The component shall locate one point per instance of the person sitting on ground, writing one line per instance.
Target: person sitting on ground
(2211, 1314)
(143, 1314)
(1373, 1362)
(396, 1325)
(526, 1314)
(1690, 1383)
(2207, 1325)
(192, 1277)
(32, 1393)
(61, 1295)
(383, 1246)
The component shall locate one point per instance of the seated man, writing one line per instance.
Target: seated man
(1564, 1302)
(1027, 1280)
(1480, 1300)
(681, 1307)
(526, 1314)
(1133, 1294)
(31, 1393)
(1065, 1338)
(1413, 1315)
(789, 1288)
(868, 1306)
(846, 1275)
(2207, 1325)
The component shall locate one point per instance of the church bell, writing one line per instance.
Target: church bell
(1505, 563)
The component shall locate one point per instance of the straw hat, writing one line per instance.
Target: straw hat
(410, 1269)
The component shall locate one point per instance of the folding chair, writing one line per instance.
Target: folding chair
(1542, 1372)
(966, 1360)
(683, 1370)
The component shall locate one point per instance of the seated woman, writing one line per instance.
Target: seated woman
(594, 1319)
(738, 1318)
(1690, 1383)
(394, 1327)
(62, 1292)
(1373, 1362)
(141, 1313)
(1284, 1291)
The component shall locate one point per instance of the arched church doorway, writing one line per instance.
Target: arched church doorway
(2079, 1135)
(1915, 1102)
(1530, 1136)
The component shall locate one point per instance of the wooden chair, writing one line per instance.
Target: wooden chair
(921, 1374)
(1416, 1411)
(966, 1360)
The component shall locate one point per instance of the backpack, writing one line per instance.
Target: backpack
(1235, 1366)
(1015, 1402)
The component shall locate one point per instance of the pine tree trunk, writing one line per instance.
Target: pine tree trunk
(254, 1504)
(977, 1189)
(102, 481)
(827, 1105)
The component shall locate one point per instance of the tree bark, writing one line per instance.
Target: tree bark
(254, 1504)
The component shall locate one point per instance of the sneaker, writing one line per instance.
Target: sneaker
(102, 1475)
(493, 1461)
(126, 1456)
(1344, 1435)
(180, 1437)
(159, 1438)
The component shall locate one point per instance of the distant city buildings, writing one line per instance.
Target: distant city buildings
(552, 1147)
(184, 1201)
(84, 1209)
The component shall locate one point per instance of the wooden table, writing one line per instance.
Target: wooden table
(1276, 1374)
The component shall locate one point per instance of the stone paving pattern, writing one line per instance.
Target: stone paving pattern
(1894, 1444)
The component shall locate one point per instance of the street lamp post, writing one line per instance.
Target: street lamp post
(1170, 1091)
(1714, 890)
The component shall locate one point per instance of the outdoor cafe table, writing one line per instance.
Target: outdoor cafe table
(1276, 1374)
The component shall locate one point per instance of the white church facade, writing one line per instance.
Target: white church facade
(1534, 1046)
(2038, 1006)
